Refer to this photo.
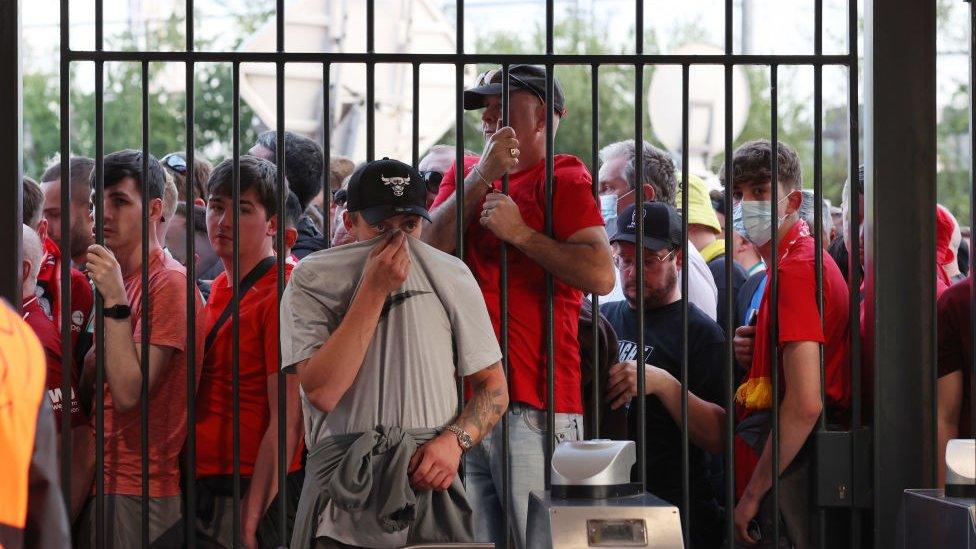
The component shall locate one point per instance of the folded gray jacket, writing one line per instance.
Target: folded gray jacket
(340, 469)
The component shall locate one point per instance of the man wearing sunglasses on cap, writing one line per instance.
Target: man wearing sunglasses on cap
(577, 255)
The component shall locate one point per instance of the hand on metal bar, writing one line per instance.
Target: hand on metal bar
(500, 214)
(501, 155)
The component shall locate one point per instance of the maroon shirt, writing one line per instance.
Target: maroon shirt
(956, 345)
(50, 338)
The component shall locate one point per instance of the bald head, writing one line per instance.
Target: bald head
(31, 258)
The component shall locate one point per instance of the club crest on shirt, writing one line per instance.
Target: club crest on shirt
(398, 184)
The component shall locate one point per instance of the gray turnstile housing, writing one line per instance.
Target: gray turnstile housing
(643, 520)
(931, 520)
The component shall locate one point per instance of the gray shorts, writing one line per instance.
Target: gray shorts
(123, 522)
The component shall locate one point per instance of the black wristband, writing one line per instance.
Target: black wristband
(120, 312)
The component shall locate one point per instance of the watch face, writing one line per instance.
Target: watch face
(465, 440)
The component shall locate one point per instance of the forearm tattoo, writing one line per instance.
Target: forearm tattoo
(483, 410)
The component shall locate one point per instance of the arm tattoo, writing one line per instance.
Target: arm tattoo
(483, 410)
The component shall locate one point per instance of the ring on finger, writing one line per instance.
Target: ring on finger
(513, 151)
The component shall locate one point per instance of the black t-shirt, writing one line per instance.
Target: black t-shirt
(662, 344)
(717, 266)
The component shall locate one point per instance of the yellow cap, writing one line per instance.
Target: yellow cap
(700, 210)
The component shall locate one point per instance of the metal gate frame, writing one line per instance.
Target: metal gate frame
(899, 150)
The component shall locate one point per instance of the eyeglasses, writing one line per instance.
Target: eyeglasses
(650, 259)
(433, 180)
(175, 162)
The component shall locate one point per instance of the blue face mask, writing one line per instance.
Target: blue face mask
(608, 207)
(753, 220)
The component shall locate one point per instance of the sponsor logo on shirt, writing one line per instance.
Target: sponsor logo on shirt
(628, 351)
(57, 400)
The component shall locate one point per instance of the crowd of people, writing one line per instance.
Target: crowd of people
(379, 320)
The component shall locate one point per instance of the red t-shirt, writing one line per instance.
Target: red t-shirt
(799, 320)
(573, 209)
(955, 343)
(50, 339)
(258, 360)
(167, 401)
(82, 297)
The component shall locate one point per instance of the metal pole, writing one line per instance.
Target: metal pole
(900, 154)
(11, 147)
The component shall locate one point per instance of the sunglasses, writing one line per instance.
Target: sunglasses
(175, 162)
(433, 180)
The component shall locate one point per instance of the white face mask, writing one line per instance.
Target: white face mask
(752, 220)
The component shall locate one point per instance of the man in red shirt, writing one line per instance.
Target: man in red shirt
(577, 255)
(800, 333)
(82, 441)
(955, 367)
(257, 369)
(49, 276)
(117, 273)
(81, 237)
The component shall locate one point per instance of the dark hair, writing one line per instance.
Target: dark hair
(256, 173)
(80, 170)
(128, 163)
(752, 163)
(293, 210)
(33, 204)
(656, 165)
(304, 163)
(199, 216)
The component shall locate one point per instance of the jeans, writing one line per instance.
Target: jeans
(527, 447)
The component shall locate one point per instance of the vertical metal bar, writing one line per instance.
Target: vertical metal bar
(729, 354)
(12, 144)
(236, 300)
(415, 117)
(550, 282)
(506, 449)
(459, 158)
(641, 358)
(370, 84)
(854, 259)
(594, 298)
(972, 199)
(685, 450)
(327, 150)
(774, 287)
(284, 460)
(99, 179)
(144, 308)
(190, 456)
(818, 230)
(67, 352)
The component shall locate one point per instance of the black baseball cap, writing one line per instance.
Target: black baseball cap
(384, 188)
(662, 226)
(524, 77)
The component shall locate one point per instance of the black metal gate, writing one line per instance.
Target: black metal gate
(881, 156)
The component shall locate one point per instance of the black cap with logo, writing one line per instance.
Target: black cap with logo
(662, 226)
(385, 188)
(523, 77)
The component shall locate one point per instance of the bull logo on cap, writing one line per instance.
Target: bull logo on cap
(397, 183)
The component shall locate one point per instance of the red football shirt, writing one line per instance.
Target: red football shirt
(955, 343)
(82, 297)
(799, 320)
(573, 209)
(167, 400)
(50, 339)
(258, 360)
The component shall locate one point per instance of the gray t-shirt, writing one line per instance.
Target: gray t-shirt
(408, 375)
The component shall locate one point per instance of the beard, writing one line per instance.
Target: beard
(654, 296)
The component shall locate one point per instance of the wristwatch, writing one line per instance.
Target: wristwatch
(464, 439)
(120, 312)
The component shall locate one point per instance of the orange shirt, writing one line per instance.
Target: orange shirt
(167, 401)
(22, 369)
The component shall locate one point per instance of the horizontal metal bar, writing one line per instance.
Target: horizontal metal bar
(454, 58)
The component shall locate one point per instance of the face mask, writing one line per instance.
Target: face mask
(608, 207)
(752, 220)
